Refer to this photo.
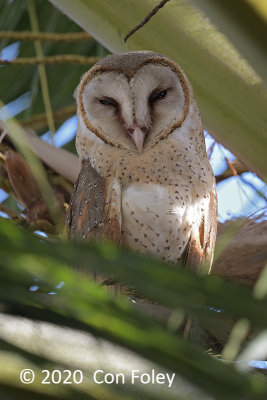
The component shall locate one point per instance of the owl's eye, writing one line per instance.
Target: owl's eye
(108, 102)
(158, 96)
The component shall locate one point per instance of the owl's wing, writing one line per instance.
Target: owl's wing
(198, 253)
(95, 207)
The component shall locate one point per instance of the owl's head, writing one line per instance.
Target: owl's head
(133, 100)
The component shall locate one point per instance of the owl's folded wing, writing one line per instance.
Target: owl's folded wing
(198, 253)
(95, 212)
(95, 207)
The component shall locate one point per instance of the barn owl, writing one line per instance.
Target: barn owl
(145, 180)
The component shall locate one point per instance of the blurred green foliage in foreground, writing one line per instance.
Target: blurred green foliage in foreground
(82, 305)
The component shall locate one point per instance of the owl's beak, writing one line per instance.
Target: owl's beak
(138, 136)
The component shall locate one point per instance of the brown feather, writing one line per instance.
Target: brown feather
(94, 209)
(198, 253)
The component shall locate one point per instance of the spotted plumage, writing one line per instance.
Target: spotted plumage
(145, 180)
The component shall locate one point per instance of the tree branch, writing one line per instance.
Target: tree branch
(245, 256)
(146, 19)
(45, 36)
(228, 173)
(58, 59)
(38, 121)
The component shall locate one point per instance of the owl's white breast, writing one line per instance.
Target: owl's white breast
(151, 219)
(165, 191)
